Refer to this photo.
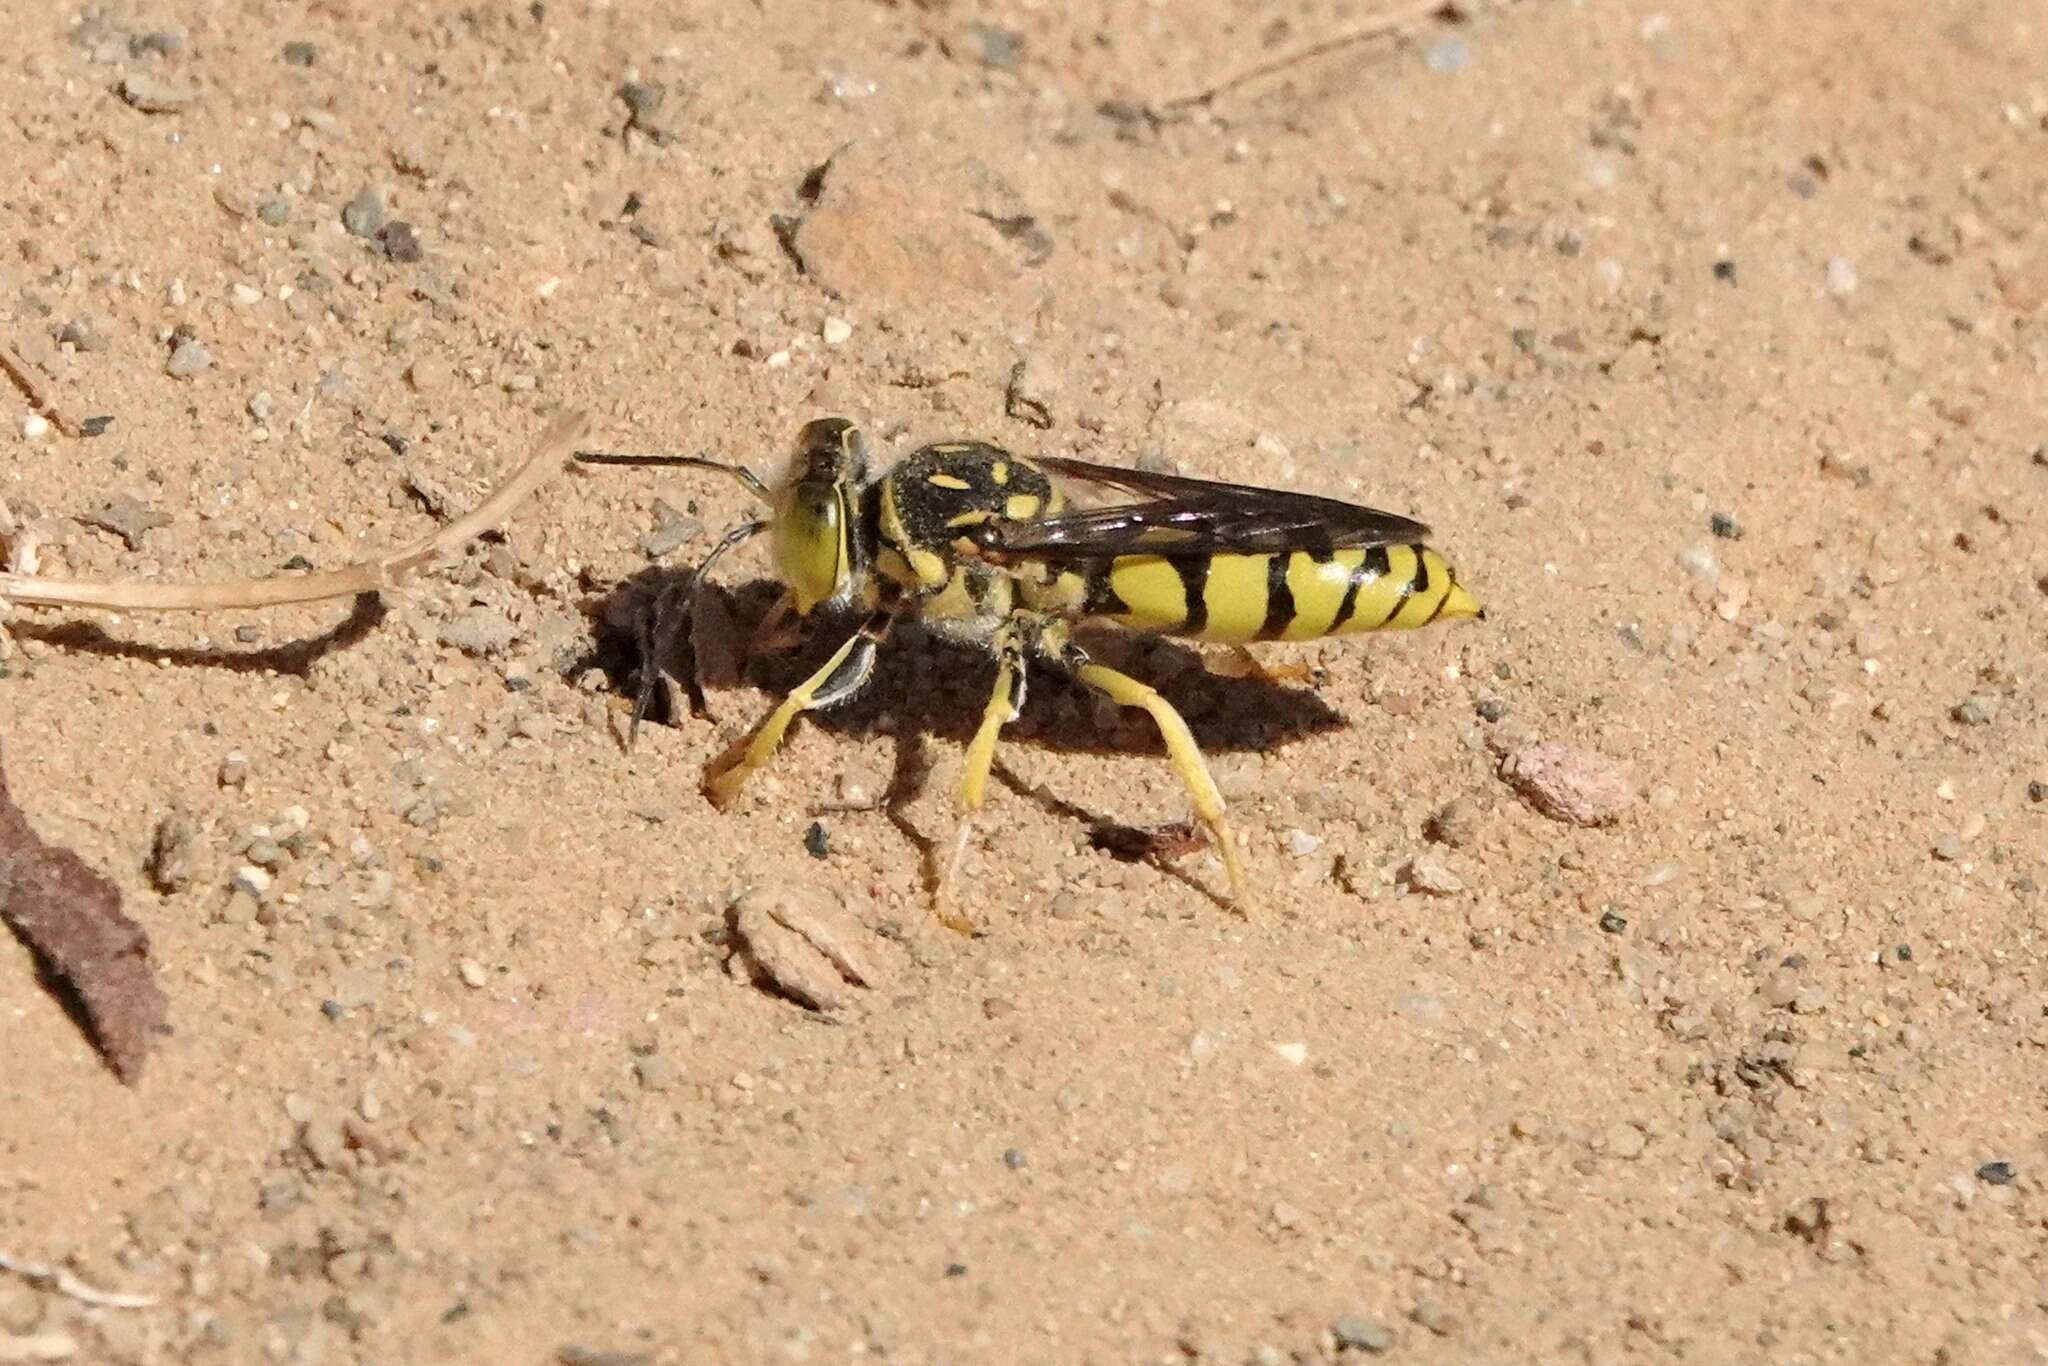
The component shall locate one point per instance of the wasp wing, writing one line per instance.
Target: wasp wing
(1175, 515)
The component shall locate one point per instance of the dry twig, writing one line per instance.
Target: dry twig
(548, 457)
(1399, 17)
(64, 1283)
(32, 387)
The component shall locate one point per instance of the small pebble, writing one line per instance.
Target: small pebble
(1625, 1141)
(400, 242)
(1455, 825)
(251, 881)
(428, 374)
(653, 1072)
(1978, 709)
(153, 96)
(190, 357)
(1841, 277)
(1293, 1054)
(1613, 922)
(1725, 526)
(299, 54)
(836, 331)
(34, 427)
(1997, 1173)
(1949, 849)
(1014, 1159)
(260, 405)
(815, 843)
(1426, 873)
(274, 212)
(86, 332)
(1448, 56)
(234, 769)
(1701, 563)
(363, 216)
(1575, 786)
(1301, 843)
(1356, 1333)
(472, 972)
(1433, 1317)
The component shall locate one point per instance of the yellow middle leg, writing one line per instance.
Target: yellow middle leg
(1004, 704)
(839, 678)
(1126, 691)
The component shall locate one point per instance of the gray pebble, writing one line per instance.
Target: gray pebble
(190, 357)
(86, 332)
(274, 212)
(161, 42)
(1357, 1333)
(170, 852)
(153, 96)
(642, 99)
(127, 517)
(1455, 825)
(1448, 57)
(1434, 1317)
(1724, 525)
(654, 1072)
(260, 404)
(363, 216)
(1997, 1174)
(300, 54)
(400, 242)
(1014, 1159)
(998, 47)
(1977, 709)
(672, 529)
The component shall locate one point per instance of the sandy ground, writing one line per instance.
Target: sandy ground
(1711, 341)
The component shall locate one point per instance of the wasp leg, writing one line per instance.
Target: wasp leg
(1126, 691)
(839, 678)
(775, 633)
(1005, 703)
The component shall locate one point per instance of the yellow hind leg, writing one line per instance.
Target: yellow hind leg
(1186, 756)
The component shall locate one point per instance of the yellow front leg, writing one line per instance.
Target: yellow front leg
(1126, 691)
(839, 678)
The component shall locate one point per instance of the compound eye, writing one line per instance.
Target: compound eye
(810, 545)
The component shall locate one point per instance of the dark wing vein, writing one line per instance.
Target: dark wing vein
(1175, 515)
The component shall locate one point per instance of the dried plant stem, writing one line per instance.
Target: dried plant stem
(547, 458)
(64, 1283)
(1401, 16)
(25, 378)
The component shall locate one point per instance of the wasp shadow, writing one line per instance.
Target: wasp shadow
(293, 657)
(931, 684)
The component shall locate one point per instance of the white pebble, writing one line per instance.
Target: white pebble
(1841, 277)
(777, 360)
(1301, 843)
(252, 880)
(244, 295)
(472, 972)
(35, 427)
(1293, 1054)
(836, 331)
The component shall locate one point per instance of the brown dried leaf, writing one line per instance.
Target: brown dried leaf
(71, 919)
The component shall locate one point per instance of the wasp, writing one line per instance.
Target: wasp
(997, 548)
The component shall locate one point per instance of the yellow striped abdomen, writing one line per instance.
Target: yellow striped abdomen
(1288, 595)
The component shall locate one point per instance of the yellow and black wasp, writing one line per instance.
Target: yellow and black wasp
(987, 545)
